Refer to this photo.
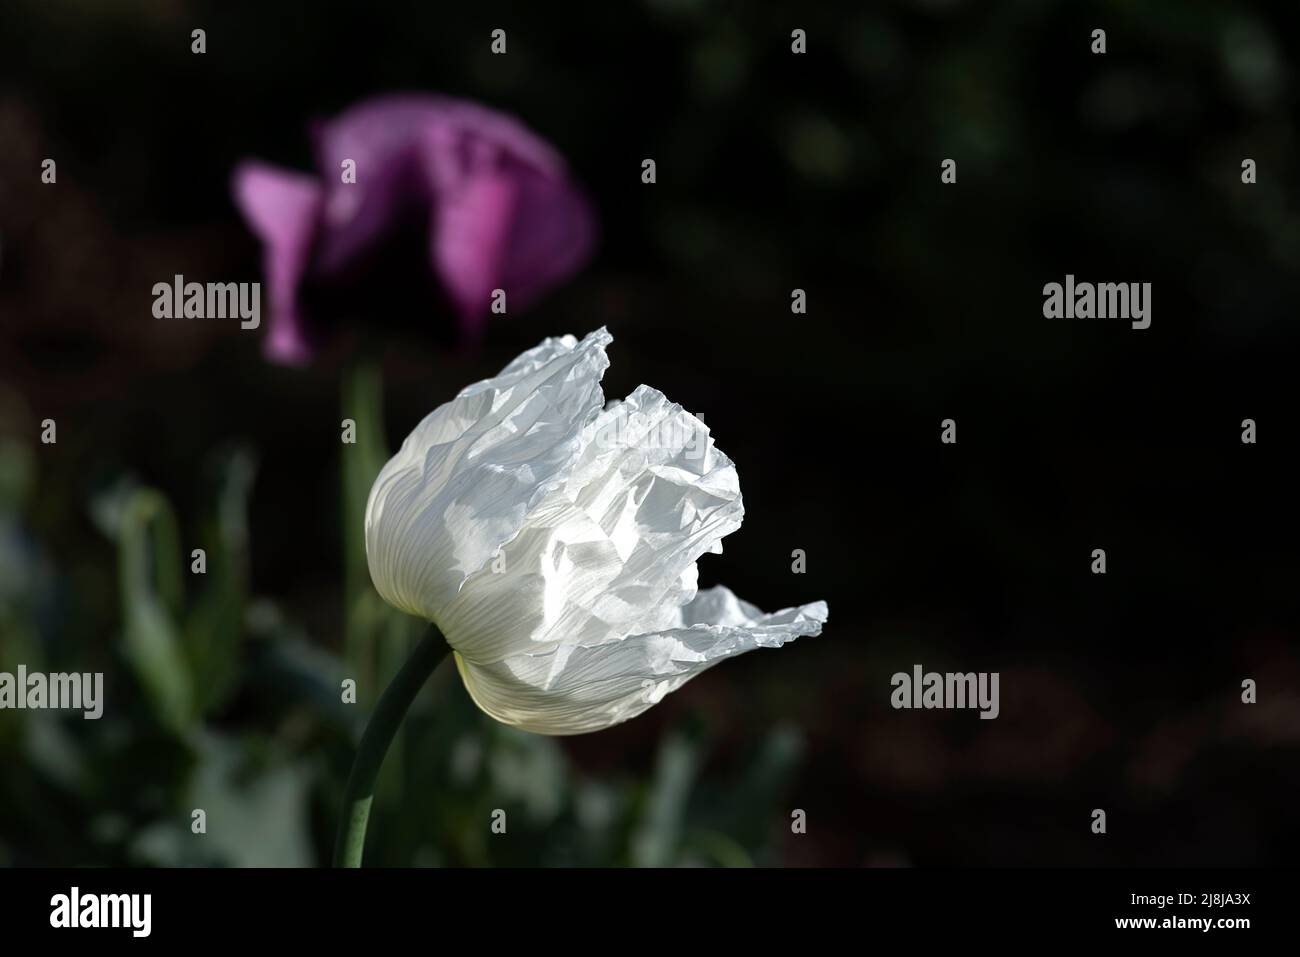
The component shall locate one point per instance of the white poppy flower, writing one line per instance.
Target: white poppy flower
(552, 539)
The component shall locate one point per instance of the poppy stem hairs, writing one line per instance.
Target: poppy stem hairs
(375, 741)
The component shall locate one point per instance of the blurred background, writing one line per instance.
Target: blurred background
(775, 172)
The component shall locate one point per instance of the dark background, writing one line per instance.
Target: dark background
(775, 171)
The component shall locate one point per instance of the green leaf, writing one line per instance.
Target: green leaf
(151, 589)
(215, 627)
(365, 615)
(658, 838)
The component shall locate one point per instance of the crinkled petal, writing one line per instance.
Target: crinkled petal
(613, 550)
(576, 689)
(283, 209)
(466, 479)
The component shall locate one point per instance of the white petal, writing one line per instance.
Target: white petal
(466, 479)
(576, 689)
(612, 551)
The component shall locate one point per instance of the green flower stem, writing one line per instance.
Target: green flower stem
(389, 714)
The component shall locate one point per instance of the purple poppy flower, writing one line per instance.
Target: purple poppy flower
(495, 204)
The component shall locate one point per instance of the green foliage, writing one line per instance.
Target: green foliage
(185, 657)
(218, 701)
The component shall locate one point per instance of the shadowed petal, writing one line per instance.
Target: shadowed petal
(470, 234)
(466, 478)
(283, 210)
(495, 204)
(613, 550)
(574, 690)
